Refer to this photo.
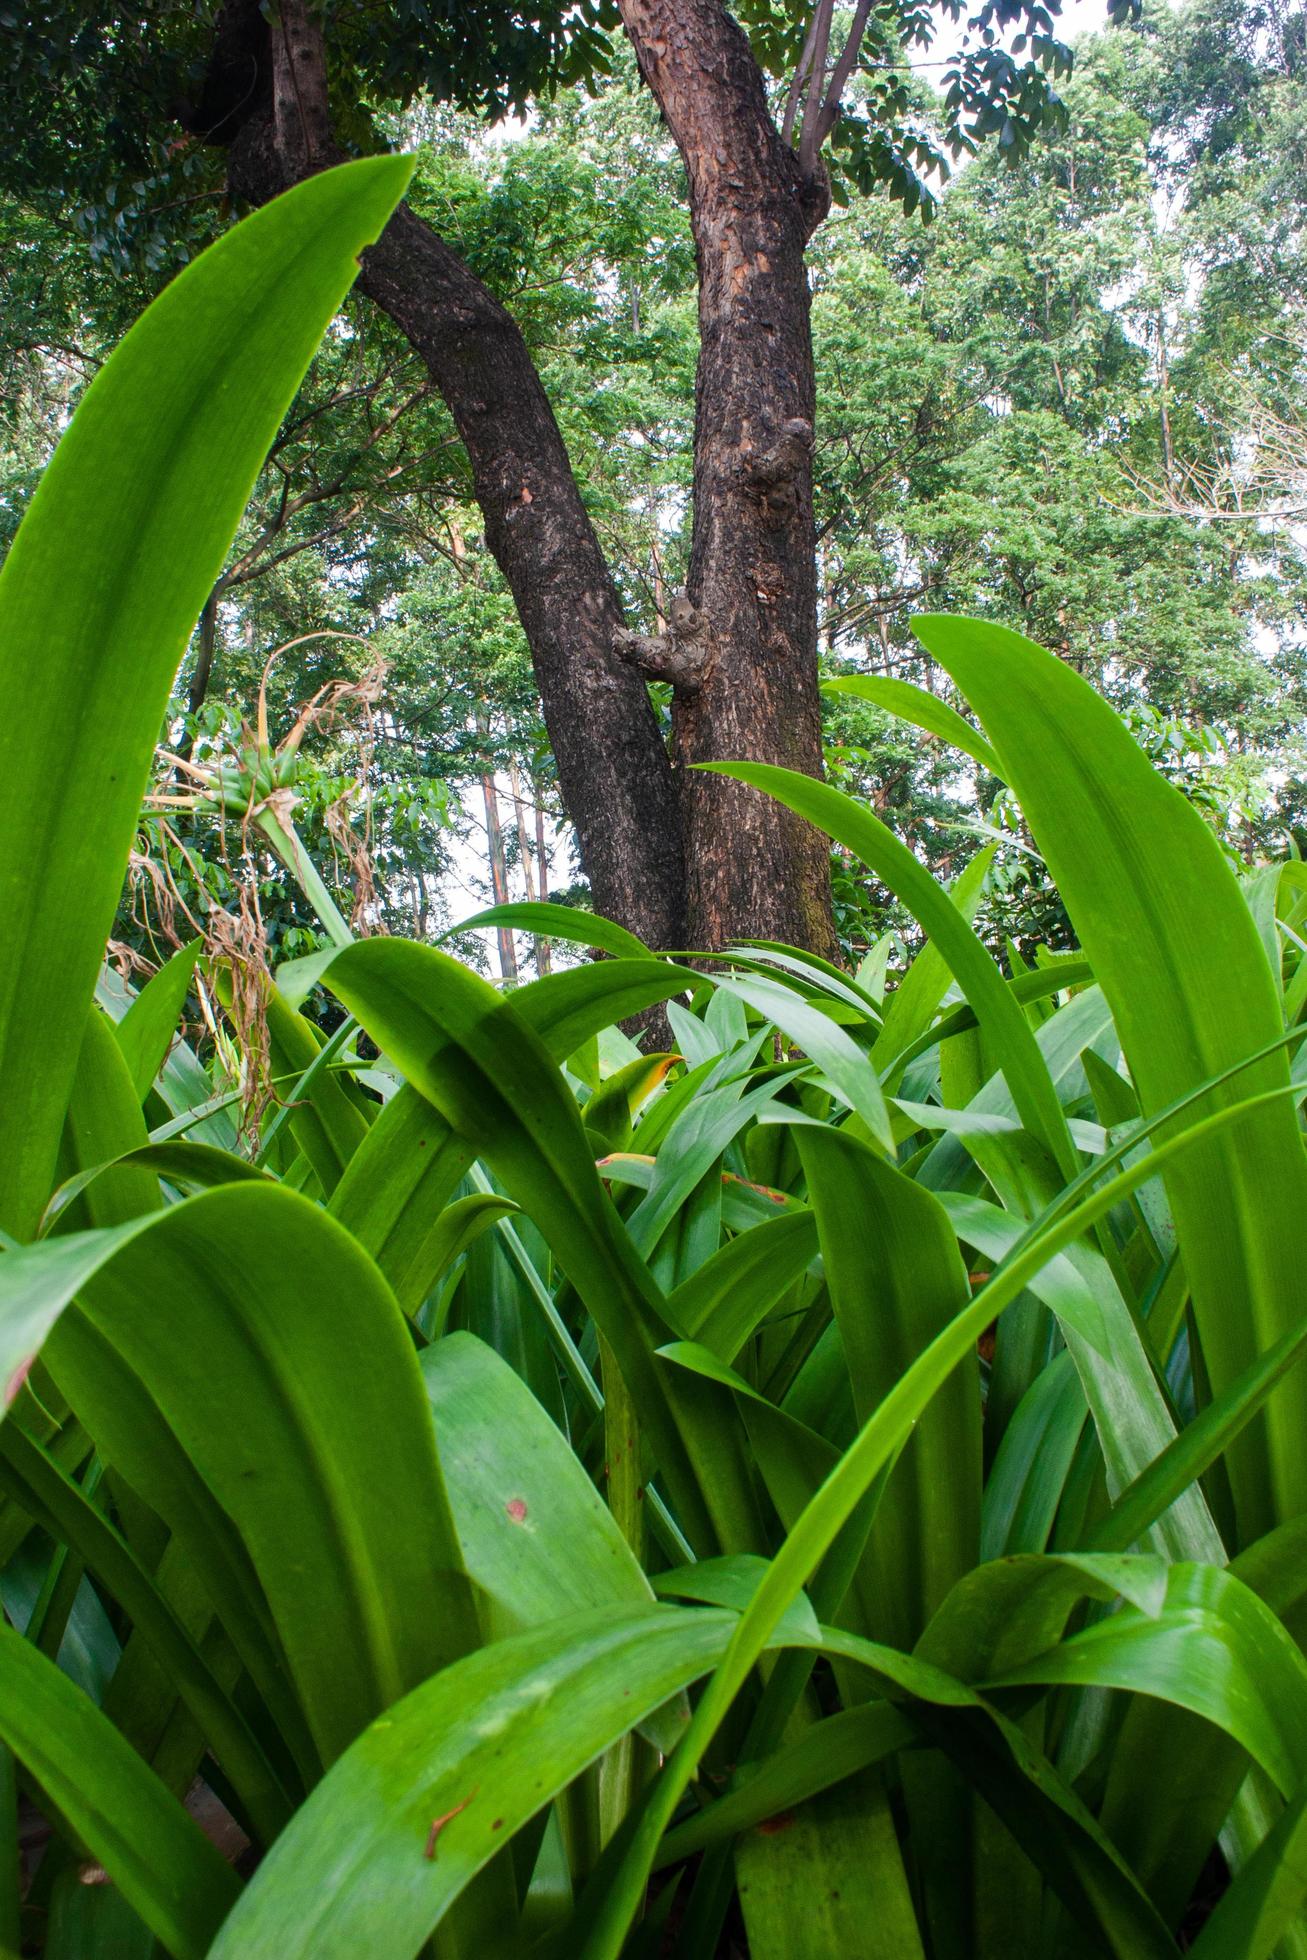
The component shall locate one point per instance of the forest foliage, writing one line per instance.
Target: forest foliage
(470, 1484)
(1073, 404)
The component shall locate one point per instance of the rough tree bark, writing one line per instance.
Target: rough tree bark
(753, 562)
(616, 777)
(680, 859)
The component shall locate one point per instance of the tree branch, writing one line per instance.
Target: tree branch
(809, 134)
(843, 68)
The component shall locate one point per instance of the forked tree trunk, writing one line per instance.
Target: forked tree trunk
(751, 868)
(680, 859)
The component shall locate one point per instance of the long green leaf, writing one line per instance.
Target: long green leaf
(828, 1511)
(996, 1009)
(97, 1783)
(427, 1796)
(246, 1330)
(102, 587)
(913, 704)
(477, 1061)
(1177, 952)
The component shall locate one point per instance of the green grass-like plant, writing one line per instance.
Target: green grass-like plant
(842, 1487)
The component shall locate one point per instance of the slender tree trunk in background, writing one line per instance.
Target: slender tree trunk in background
(1164, 401)
(680, 859)
(498, 875)
(535, 886)
(197, 692)
(544, 959)
(751, 868)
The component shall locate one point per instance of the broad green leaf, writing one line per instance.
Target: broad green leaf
(1133, 1423)
(1209, 1645)
(102, 587)
(913, 704)
(690, 1155)
(397, 1183)
(1029, 1472)
(828, 1879)
(816, 974)
(198, 1166)
(285, 1397)
(368, 1864)
(537, 1537)
(461, 1224)
(394, 1191)
(165, 1867)
(477, 1061)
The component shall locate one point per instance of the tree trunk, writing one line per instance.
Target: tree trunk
(498, 875)
(614, 772)
(616, 779)
(679, 859)
(544, 957)
(751, 868)
(535, 883)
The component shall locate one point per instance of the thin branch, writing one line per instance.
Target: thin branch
(796, 86)
(809, 140)
(840, 74)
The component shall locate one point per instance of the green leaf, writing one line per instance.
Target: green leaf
(284, 1400)
(835, 1053)
(819, 1757)
(537, 1537)
(1264, 1900)
(1013, 1043)
(915, 1001)
(923, 710)
(472, 1055)
(828, 1879)
(611, 1111)
(164, 1865)
(1208, 1645)
(394, 1188)
(472, 1754)
(197, 1165)
(565, 922)
(100, 592)
(896, 1280)
(722, 1303)
(148, 1028)
(1176, 951)
(55, 1500)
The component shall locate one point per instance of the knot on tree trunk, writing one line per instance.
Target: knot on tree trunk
(774, 475)
(784, 460)
(680, 655)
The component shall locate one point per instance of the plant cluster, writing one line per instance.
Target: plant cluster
(839, 1485)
